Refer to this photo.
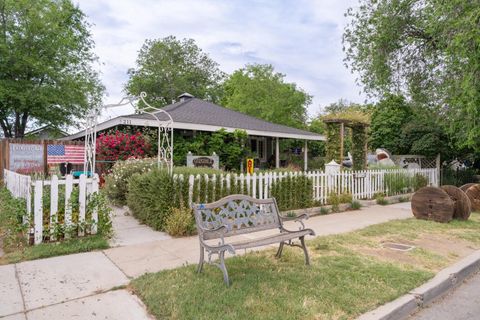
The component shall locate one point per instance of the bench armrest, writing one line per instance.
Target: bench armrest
(222, 230)
(303, 216)
(298, 219)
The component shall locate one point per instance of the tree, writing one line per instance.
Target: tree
(388, 118)
(426, 50)
(46, 74)
(261, 92)
(169, 67)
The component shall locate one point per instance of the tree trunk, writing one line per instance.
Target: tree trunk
(20, 124)
(7, 130)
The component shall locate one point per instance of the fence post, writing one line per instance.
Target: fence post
(438, 166)
(53, 205)
(260, 185)
(82, 202)
(254, 185)
(95, 180)
(68, 204)
(38, 212)
(191, 181)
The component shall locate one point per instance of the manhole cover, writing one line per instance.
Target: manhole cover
(398, 246)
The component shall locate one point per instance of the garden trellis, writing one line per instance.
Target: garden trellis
(165, 131)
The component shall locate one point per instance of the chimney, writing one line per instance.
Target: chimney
(185, 96)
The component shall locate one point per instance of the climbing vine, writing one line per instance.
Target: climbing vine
(332, 146)
(359, 141)
(354, 122)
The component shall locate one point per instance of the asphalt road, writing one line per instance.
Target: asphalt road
(461, 304)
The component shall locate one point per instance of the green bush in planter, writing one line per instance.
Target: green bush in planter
(150, 197)
(294, 192)
(180, 222)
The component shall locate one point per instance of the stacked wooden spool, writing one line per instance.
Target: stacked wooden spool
(446, 203)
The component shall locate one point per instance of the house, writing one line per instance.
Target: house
(47, 132)
(191, 115)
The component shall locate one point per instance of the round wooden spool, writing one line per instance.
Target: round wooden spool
(462, 206)
(431, 203)
(474, 194)
(466, 186)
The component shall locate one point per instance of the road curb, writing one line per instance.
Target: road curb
(420, 297)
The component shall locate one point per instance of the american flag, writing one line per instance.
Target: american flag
(58, 153)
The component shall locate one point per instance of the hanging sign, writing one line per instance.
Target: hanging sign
(250, 166)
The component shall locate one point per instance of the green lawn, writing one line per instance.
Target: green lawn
(46, 250)
(350, 274)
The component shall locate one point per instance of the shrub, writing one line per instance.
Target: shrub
(396, 183)
(419, 181)
(324, 211)
(355, 205)
(180, 222)
(195, 171)
(116, 183)
(333, 198)
(457, 177)
(150, 197)
(293, 192)
(345, 197)
(382, 201)
(12, 230)
(403, 199)
(121, 146)
(98, 201)
(291, 214)
(336, 199)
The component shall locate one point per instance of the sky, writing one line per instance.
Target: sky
(301, 39)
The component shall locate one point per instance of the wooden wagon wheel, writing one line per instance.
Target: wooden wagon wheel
(431, 203)
(474, 194)
(462, 206)
(465, 187)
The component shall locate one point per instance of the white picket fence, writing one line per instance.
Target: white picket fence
(22, 186)
(360, 184)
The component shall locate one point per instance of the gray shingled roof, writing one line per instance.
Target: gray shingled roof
(197, 111)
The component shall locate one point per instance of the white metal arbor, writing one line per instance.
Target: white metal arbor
(165, 132)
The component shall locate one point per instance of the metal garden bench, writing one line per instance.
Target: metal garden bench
(239, 214)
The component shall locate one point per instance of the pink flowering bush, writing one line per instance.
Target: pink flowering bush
(122, 146)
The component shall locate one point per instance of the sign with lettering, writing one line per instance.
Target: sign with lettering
(250, 166)
(26, 158)
(202, 161)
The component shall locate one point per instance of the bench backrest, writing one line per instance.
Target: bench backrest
(238, 213)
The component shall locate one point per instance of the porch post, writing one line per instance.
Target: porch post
(277, 153)
(305, 156)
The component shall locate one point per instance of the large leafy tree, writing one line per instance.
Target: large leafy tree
(259, 91)
(427, 50)
(388, 118)
(46, 59)
(169, 67)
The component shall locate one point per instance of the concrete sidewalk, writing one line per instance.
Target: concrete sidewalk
(80, 285)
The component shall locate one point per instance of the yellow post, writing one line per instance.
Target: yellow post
(250, 166)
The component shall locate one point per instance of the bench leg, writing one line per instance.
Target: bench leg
(280, 249)
(305, 251)
(202, 260)
(223, 267)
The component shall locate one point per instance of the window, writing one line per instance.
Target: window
(258, 146)
(261, 149)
